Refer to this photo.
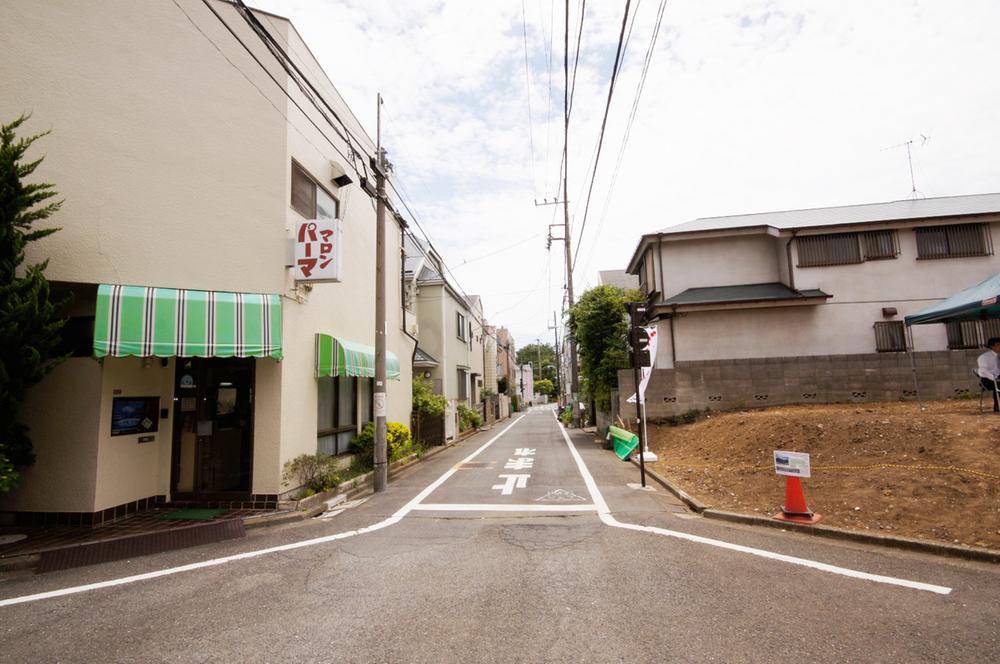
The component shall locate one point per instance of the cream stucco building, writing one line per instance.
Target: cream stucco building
(452, 351)
(186, 167)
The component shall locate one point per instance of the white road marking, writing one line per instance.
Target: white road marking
(524, 451)
(513, 482)
(605, 515)
(523, 463)
(395, 518)
(561, 496)
(488, 507)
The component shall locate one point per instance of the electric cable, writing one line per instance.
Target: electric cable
(628, 129)
(604, 122)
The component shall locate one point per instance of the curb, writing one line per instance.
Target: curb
(950, 550)
(362, 485)
(353, 488)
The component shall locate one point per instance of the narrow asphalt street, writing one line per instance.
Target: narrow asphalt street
(521, 544)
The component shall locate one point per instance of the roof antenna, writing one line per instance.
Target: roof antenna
(914, 192)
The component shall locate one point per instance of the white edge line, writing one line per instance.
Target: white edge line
(605, 515)
(486, 507)
(395, 518)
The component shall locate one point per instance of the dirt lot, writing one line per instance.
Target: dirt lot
(931, 474)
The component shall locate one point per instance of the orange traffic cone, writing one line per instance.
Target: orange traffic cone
(795, 509)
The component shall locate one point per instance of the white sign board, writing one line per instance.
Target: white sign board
(793, 464)
(318, 250)
(645, 373)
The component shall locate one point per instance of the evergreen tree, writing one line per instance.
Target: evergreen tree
(29, 320)
(599, 323)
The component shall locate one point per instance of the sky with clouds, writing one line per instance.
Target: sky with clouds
(748, 106)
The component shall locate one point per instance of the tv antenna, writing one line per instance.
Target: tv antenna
(914, 192)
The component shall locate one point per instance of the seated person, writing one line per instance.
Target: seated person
(989, 369)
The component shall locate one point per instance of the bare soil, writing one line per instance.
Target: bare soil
(931, 474)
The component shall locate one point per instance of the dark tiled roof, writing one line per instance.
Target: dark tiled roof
(742, 293)
(421, 357)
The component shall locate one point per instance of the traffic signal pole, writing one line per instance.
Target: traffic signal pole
(638, 417)
(639, 341)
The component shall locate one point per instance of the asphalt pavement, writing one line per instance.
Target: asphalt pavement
(521, 544)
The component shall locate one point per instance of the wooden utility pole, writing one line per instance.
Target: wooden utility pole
(555, 337)
(381, 453)
(573, 379)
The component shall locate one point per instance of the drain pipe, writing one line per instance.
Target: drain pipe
(788, 256)
(662, 288)
(402, 290)
(673, 342)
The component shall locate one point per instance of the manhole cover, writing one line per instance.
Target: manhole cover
(10, 539)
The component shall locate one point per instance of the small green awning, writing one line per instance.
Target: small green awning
(164, 322)
(339, 357)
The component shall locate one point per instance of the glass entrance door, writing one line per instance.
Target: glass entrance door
(213, 434)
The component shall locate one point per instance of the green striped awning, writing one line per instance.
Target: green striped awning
(143, 322)
(339, 357)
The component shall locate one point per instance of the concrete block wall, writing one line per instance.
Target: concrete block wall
(742, 383)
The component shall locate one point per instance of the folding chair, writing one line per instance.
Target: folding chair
(983, 388)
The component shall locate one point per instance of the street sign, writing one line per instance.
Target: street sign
(793, 464)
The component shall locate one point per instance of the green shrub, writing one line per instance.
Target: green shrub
(315, 472)
(566, 416)
(425, 401)
(399, 443)
(468, 418)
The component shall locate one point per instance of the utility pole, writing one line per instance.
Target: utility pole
(573, 379)
(555, 339)
(381, 455)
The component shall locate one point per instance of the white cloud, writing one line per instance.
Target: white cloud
(749, 105)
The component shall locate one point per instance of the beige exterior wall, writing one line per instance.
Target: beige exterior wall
(430, 317)
(62, 414)
(718, 262)
(175, 167)
(128, 470)
(171, 163)
(842, 325)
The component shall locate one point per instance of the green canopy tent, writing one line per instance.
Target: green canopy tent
(979, 302)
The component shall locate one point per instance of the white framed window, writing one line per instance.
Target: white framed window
(336, 414)
(460, 325)
(310, 199)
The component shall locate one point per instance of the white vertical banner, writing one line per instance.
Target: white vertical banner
(318, 250)
(645, 373)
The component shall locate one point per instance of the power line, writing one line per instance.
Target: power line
(500, 251)
(576, 58)
(628, 127)
(604, 122)
(289, 65)
(276, 82)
